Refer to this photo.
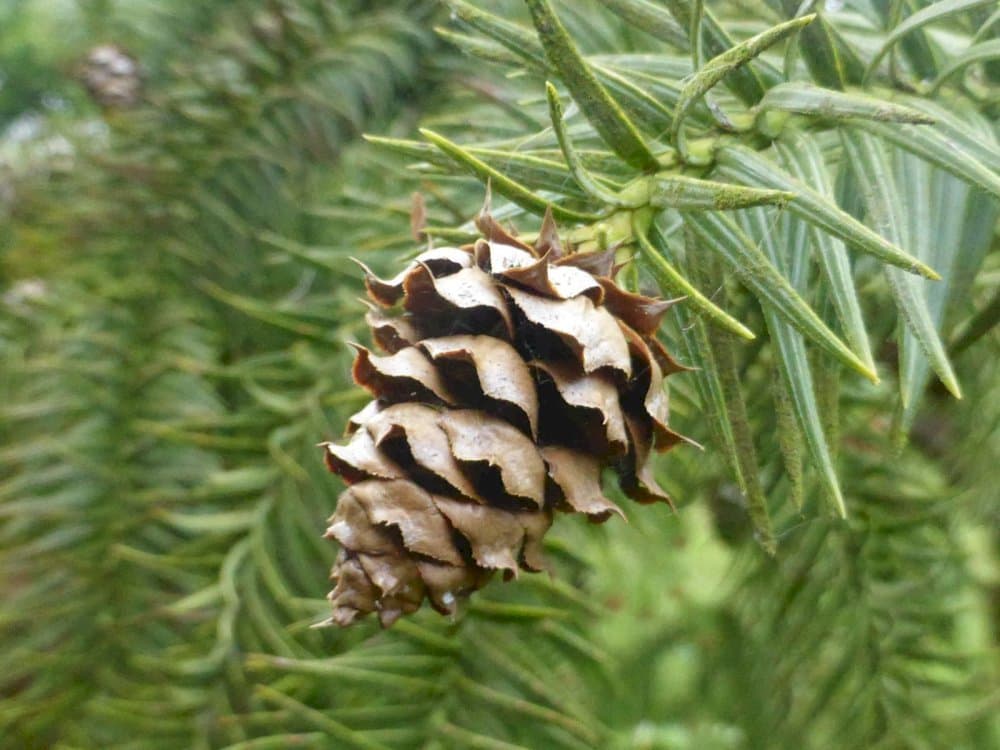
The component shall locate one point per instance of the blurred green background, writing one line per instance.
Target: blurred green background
(182, 184)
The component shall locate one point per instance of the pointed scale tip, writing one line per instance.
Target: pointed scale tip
(362, 265)
(418, 217)
(548, 243)
(487, 209)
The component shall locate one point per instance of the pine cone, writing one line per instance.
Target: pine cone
(112, 76)
(510, 378)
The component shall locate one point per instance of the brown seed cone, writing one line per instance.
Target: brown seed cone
(112, 76)
(511, 377)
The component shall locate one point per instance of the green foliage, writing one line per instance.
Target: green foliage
(177, 294)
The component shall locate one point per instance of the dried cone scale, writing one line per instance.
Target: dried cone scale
(509, 377)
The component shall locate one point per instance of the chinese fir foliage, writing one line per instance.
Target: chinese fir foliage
(818, 181)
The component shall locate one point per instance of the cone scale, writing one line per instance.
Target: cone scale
(508, 376)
